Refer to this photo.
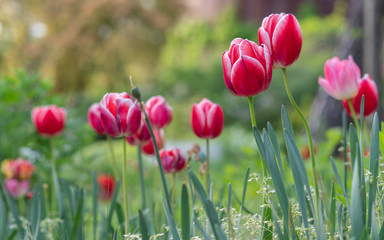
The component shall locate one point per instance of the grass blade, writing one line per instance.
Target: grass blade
(185, 216)
(242, 200)
(3, 219)
(275, 145)
(79, 215)
(143, 226)
(373, 168)
(59, 197)
(356, 211)
(95, 191)
(332, 211)
(337, 175)
(201, 229)
(171, 222)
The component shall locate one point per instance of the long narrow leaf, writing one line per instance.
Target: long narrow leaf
(337, 175)
(185, 216)
(113, 205)
(3, 219)
(242, 200)
(95, 191)
(79, 215)
(356, 211)
(373, 168)
(171, 222)
(143, 226)
(275, 145)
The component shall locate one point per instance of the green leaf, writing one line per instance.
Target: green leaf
(59, 197)
(353, 140)
(201, 229)
(277, 225)
(337, 175)
(113, 205)
(286, 122)
(275, 145)
(171, 222)
(143, 226)
(3, 219)
(95, 186)
(185, 218)
(373, 168)
(242, 201)
(332, 211)
(79, 215)
(356, 211)
(374, 231)
(14, 211)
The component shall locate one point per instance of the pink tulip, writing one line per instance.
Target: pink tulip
(141, 137)
(160, 141)
(367, 87)
(94, 118)
(247, 68)
(49, 120)
(120, 116)
(282, 35)
(15, 188)
(19, 169)
(341, 78)
(173, 160)
(207, 119)
(159, 112)
(106, 186)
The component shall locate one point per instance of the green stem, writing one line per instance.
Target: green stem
(354, 116)
(207, 161)
(114, 162)
(142, 184)
(125, 185)
(310, 143)
(252, 111)
(53, 166)
(173, 189)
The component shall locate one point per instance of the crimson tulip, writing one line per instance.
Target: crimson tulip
(367, 87)
(173, 160)
(141, 137)
(282, 35)
(120, 116)
(106, 186)
(159, 112)
(94, 118)
(247, 68)
(341, 78)
(49, 120)
(207, 119)
(160, 141)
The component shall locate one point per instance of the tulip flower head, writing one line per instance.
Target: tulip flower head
(247, 68)
(173, 160)
(367, 87)
(94, 118)
(159, 112)
(120, 116)
(17, 172)
(15, 188)
(141, 137)
(49, 120)
(160, 141)
(106, 186)
(207, 119)
(282, 35)
(341, 78)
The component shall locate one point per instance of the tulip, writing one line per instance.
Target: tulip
(120, 116)
(141, 137)
(15, 188)
(19, 169)
(367, 87)
(207, 119)
(341, 78)
(94, 118)
(173, 160)
(160, 141)
(49, 120)
(247, 68)
(159, 112)
(282, 35)
(106, 186)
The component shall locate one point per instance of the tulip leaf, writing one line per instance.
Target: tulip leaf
(276, 147)
(3, 219)
(143, 226)
(171, 222)
(242, 200)
(95, 191)
(356, 211)
(185, 218)
(373, 168)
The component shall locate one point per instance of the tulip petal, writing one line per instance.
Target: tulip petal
(246, 48)
(248, 77)
(215, 121)
(109, 122)
(227, 69)
(286, 41)
(264, 38)
(198, 120)
(133, 120)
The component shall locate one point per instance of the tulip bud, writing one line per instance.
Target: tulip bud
(106, 186)
(173, 160)
(159, 112)
(207, 119)
(94, 118)
(247, 68)
(119, 115)
(49, 120)
(367, 87)
(160, 141)
(341, 78)
(282, 35)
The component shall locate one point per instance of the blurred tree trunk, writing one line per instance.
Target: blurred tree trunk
(326, 111)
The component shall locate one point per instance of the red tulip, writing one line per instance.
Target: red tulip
(120, 116)
(173, 160)
(94, 118)
(106, 186)
(367, 87)
(49, 120)
(160, 141)
(341, 78)
(282, 35)
(207, 119)
(159, 112)
(141, 137)
(247, 68)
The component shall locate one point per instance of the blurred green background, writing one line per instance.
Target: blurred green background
(72, 52)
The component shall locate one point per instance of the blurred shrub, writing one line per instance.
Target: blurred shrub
(190, 65)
